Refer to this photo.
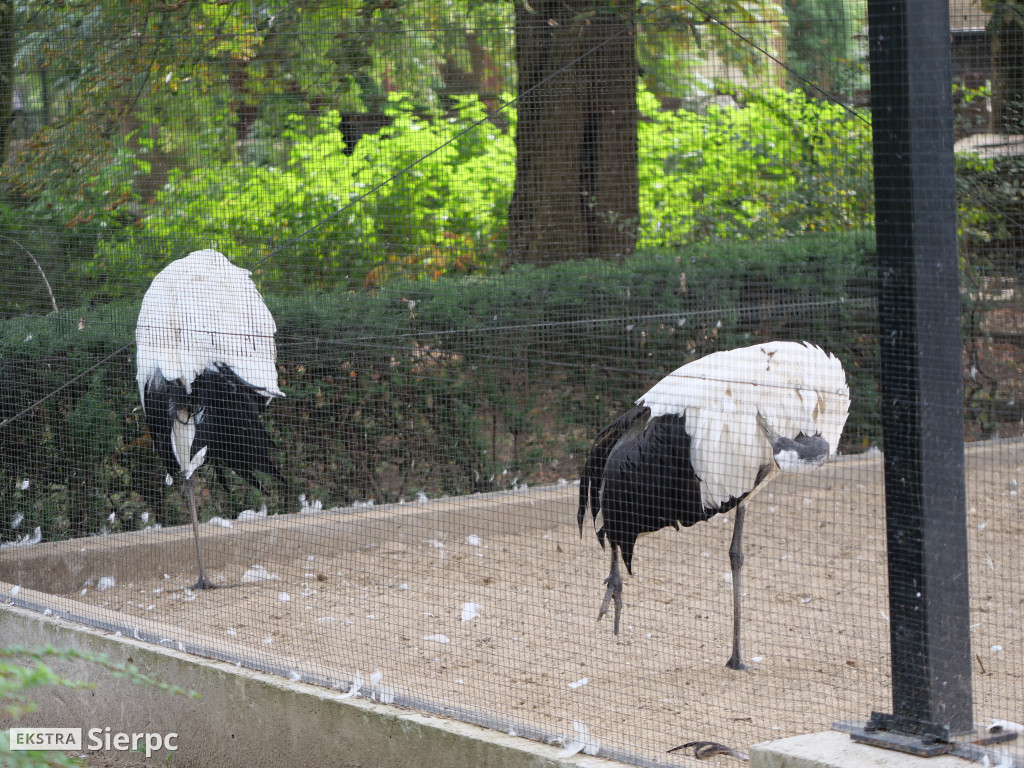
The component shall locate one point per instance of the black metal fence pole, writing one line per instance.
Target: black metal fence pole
(919, 323)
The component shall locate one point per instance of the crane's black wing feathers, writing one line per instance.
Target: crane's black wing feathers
(227, 412)
(649, 483)
(642, 480)
(162, 398)
(231, 426)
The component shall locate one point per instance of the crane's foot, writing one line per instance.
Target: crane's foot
(735, 662)
(614, 592)
(204, 583)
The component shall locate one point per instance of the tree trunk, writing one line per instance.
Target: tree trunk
(576, 192)
(1008, 67)
(6, 74)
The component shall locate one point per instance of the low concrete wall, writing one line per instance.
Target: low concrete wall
(245, 718)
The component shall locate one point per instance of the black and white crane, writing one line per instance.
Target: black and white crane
(206, 370)
(703, 441)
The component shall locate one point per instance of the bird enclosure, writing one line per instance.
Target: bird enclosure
(476, 235)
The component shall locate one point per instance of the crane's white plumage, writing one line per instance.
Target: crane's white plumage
(704, 440)
(797, 388)
(201, 311)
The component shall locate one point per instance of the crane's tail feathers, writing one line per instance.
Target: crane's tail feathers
(585, 479)
(593, 471)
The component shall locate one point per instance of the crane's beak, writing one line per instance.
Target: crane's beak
(770, 434)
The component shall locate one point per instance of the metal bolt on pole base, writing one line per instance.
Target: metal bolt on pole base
(922, 739)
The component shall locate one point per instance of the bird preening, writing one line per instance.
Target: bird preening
(206, 370)
(705, 440)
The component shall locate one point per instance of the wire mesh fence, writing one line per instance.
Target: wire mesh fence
(481, 232)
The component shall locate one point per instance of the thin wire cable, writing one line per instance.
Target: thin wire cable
(777, 60)
(29, 408)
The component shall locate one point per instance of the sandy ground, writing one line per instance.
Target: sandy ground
(488, 604)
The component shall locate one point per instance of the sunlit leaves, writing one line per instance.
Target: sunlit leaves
(424, 197)
(420, 197)
(781, 164)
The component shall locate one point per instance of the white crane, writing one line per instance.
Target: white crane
(704, 440)
(206, 371)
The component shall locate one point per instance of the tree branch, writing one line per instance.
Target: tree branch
(49, 290)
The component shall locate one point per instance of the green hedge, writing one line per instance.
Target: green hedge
(438, 387)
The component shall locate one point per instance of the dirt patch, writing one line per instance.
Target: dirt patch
(487, 604)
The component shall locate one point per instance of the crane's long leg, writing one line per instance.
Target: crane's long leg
(190, 494)
(614, 591)
(736, 563)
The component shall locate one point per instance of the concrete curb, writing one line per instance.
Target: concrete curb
(247, 718)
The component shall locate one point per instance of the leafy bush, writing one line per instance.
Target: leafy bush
(781, 165)
(451, 386)
(406, 202)
(989, 192)
(72, 460)
(411, 199)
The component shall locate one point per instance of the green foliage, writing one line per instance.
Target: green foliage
(23, 670)
(425, 197)
(79, 453)
(989, 191)
(187, 85)
(781, 165)
(990, 186)
(419, 196)
(174, 126)
(448, 386)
